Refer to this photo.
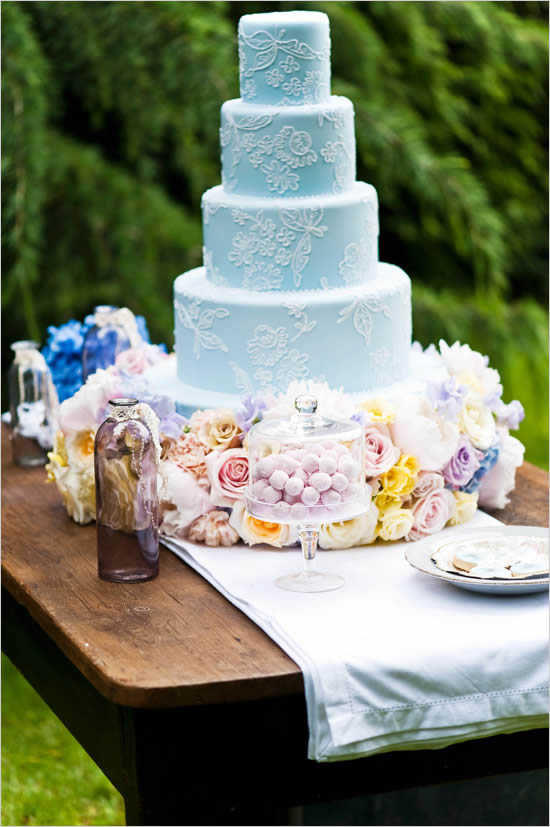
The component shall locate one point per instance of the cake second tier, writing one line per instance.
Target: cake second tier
(235, 341)
(290, 244)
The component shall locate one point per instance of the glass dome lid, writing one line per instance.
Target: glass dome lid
(306, 425)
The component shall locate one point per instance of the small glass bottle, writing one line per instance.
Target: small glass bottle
(108, 337)
(126, 464)
(33, 405)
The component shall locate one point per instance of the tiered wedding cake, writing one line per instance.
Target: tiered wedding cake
(291, 286)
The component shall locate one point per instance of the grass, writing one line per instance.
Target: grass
(47, 778)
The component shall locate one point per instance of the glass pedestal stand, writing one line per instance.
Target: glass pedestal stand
(309, 579)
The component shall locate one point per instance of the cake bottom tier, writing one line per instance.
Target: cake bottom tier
(235, 341)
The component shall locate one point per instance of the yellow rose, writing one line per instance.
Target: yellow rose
(253, 531)
(477, 422)
(385, 500)
(220, 430)
(394, 523)
(76, 486)
(466, 506)
(401, 478)
(379, 409)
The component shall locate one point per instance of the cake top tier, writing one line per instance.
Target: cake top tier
(284, 58)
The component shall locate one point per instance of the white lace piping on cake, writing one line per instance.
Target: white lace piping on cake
(360, 311)
(201, 322)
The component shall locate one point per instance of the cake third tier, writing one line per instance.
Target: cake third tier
(290, 244)
(233, 340)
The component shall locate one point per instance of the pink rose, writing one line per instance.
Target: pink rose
(228, 475)
(188, 453)
(138, 359)
(431, 513)
(380, 452)
(427, 482)
(131, 360)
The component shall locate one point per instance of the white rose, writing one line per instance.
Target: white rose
(477, 422)
(254, 531)
(420, 432)
(471, 368)
(500, 480)
(183, 500)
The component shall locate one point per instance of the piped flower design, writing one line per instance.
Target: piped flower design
(268, 345)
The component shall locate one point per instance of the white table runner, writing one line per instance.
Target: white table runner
(395, 659)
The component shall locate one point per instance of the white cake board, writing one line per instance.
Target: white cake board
(164, 380)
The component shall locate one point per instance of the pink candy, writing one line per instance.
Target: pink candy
(294, 486)
(330, 497)
(259, 487)
(340, 450)
(299, 512)
(320, 481)
(266, 466)
(281, 509)
(310, 463)
(328, 463)
(339, 481)
(271, 495)
(287, 463)
(310, 495)
(278, 479)
(347, 466)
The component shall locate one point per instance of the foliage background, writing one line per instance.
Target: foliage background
(110, 117)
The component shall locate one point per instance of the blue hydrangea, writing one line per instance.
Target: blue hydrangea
(63, 354)
(487, 462)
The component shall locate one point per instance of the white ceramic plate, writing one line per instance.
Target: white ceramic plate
(419, 556)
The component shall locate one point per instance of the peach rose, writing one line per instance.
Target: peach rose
(188, 453)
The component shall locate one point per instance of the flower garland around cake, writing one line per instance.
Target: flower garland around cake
(431, 458)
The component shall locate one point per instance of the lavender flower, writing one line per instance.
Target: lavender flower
(510, 415)
(251, 412)
(361, 417)
(171, 422)
(463, 465)
(447, 397)
(487, 461)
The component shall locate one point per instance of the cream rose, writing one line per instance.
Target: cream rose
(477, 422)
(253, 531)
(349, 533)
(431, 513)
(466, 507)
(394, 523)
(220, 430)
(228, 475)
(76, 485)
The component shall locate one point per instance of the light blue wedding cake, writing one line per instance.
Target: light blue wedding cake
(291, 287)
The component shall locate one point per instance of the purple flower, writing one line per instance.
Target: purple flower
(510, 415)
(251, 412)
(447, 397)
(361, 417)
(171, 422)
(488, 460)
(463, 465)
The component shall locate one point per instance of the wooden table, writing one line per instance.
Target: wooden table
(195, 715)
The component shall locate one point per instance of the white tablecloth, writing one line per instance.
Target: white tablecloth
(395, 659)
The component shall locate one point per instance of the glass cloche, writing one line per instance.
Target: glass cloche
(306, 470)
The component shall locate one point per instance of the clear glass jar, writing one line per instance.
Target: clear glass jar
(307, 470)
(108, 337)
(126, 464)
(33, 405)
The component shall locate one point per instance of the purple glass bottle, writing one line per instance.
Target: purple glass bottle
(126, 463)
